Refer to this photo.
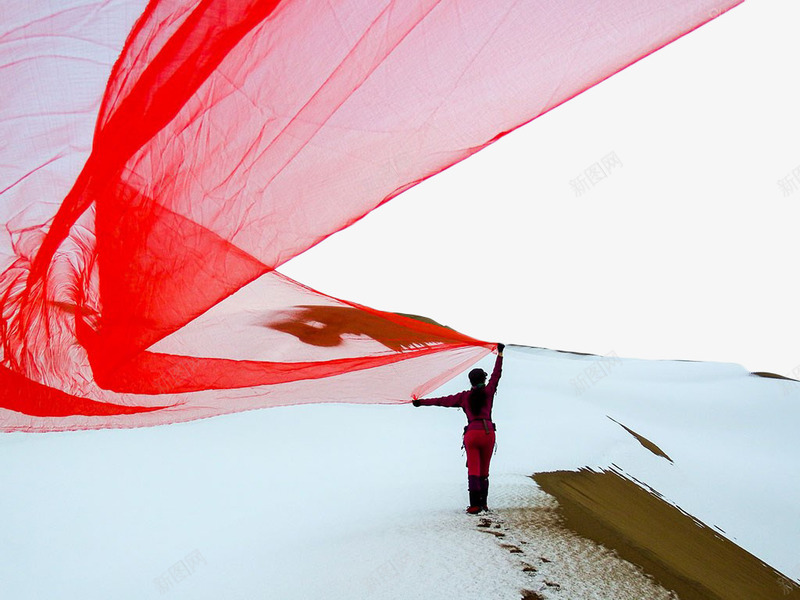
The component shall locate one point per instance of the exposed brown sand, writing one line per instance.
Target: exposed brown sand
(680, 552)
(769, 375)
(558, 563)
(644, 441)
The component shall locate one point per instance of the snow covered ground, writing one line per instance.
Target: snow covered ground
(346, 501)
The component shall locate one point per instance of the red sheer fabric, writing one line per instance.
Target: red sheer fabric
(161, 160)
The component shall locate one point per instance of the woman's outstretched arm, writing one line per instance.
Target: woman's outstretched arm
(494, 378)
(451, 401)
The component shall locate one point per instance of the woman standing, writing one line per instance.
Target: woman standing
(479, 434)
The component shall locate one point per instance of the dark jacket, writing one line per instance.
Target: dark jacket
(461, 400)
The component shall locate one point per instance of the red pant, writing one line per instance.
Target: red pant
(479, 446)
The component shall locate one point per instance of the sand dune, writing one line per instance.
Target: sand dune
(682, 553)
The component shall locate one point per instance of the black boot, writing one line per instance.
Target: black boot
(484, 493)
(474, 495)
(474, 503)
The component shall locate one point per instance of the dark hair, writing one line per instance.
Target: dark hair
(477, 377)
(477, 399)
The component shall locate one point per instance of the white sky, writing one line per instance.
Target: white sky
(689, 250)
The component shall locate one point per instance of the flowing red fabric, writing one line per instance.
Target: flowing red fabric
(160, 160)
